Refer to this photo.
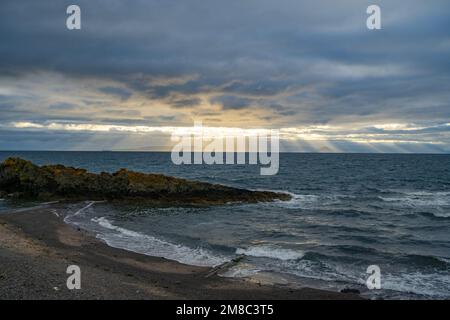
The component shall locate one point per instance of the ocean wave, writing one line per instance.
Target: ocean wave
(273, 252)
(440, 215)
(429, 284)
(432, 204)
(307, 201)
(417, 194)
(416, 201)
(435, 283)
(426, 193)
(122, 238)
(445, 260)
(428, 261)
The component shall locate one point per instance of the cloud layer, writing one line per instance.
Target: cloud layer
(310, 68)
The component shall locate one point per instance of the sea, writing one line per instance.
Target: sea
(348, 212)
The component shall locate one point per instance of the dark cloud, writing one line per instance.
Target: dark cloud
(185, 103)
(306, 61)
(62, 106)
(122, 93)
(231, 102)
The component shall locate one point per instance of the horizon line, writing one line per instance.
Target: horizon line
(293, 152)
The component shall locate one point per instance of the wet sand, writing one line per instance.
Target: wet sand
(36, 247)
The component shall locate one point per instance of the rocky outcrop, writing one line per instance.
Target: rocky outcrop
(22, 179)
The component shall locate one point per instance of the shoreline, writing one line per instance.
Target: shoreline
(37, 246)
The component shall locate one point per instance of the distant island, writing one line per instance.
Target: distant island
(22, 179)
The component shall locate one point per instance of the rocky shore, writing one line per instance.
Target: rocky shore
(36, 248)
(23, 179)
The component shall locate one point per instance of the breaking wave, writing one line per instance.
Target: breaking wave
(271, 252)
(141, 243)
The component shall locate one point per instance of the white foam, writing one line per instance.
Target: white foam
(273, 252)
(433, 285)
(427, 193)
(145, 244)
(299, 201)
(441, 214)
(417, 201)
(429, 284)
(445, 260)
(307, 201)
(241, 271)
(437, 201)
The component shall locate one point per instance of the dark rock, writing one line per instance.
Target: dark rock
(350, 290)
(23, 179)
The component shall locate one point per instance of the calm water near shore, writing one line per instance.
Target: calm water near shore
(348, 211)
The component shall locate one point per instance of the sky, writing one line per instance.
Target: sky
(139, 70)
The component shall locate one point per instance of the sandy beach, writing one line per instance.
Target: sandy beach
(36, 247)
